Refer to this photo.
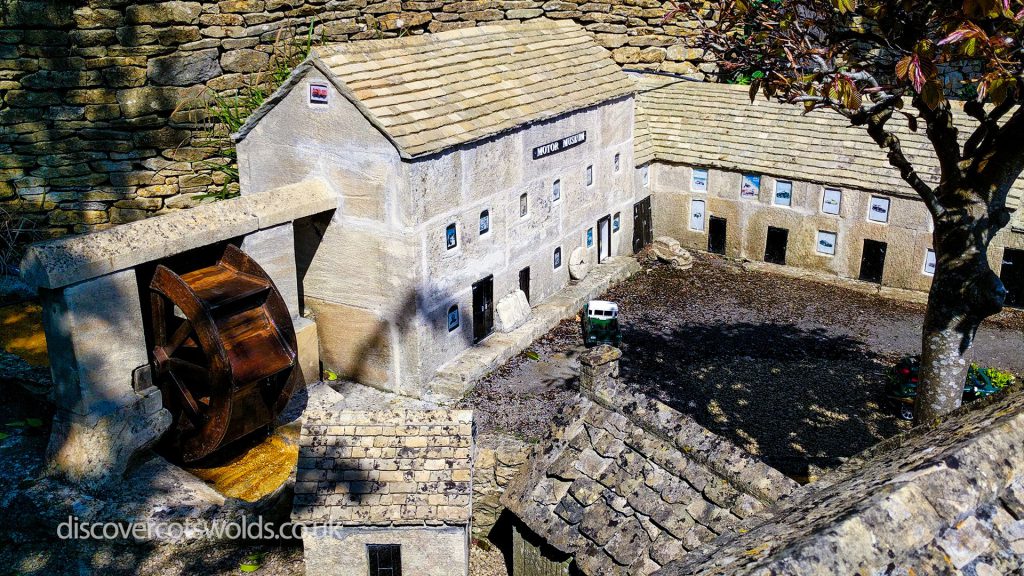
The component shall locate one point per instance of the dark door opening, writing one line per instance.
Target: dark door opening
(604, 238)
(643, 227)
(872, 262)
(716, 235)
(483, 308)
(524, 282)
(1012, 275)
(775, 245)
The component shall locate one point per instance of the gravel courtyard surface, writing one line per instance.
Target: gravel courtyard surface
(790, 369)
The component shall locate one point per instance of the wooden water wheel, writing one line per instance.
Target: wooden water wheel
(224, 352)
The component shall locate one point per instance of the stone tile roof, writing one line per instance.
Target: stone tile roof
(942, 499)
(388, 467)
(435, 91)
(716, 126)
(626, 484)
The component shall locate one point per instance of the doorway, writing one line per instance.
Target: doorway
(775, 245)
(1012, 275)
(872, 261)
(604, 238)
(643, 228)
(483, 308)
(716, 235)
(524, 282)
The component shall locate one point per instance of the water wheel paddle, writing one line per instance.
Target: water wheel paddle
(224, 352)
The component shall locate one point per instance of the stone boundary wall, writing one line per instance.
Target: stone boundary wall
(498, 460)
(95, 126)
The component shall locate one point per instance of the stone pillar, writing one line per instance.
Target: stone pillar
(598, 365)
(95, 339)
(274, 250)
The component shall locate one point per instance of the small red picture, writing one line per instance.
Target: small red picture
(318, 94)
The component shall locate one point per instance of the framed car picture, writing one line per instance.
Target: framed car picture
(615, 222)
(699, 180)
(451, 238)
(697, 215)
(878, 209)
(750, 186)
(783, 193)
(929, 262)
(826, 243)
(590, 237)
(831, 201)
(453, 318)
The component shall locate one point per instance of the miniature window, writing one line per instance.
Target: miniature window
(556, 190)
(929, 263)
(826, 243)
(451, 238)
(750, 186)
(878, 209)
(485, 222)
(831, 201)
(590, 237)
(617, 163)
(453, 317)
(783, 193)
(645, 175)
(699, 180)
(590, 175)
(557, 258)
(615, 222)
(385, 559)
(697, 215)
(523, 205)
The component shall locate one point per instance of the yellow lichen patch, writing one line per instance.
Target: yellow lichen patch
(259, 471)
(21, 332)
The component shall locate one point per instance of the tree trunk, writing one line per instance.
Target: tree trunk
(965, 291)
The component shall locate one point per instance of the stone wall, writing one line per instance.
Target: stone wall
(498, 459)
(96, 126)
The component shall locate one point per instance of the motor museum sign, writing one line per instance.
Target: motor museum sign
(559, 145)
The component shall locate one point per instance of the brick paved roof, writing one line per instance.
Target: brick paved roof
(389, 467)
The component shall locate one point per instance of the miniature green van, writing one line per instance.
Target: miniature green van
(600, 323)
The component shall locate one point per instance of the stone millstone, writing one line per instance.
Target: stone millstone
(579, 264)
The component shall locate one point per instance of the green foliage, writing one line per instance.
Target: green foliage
(980, 377)
(252, 563)
(330, 375)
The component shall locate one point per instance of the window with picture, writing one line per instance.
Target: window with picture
(929, 262)
(453, 317)
(590, 237)
(557, 258)
(831, 201)
(615, 222)
(697, 215)
(450, 236)
(384, 559)
(523, 208)
(589, 176)
(485, 222)
(750, 186)
(878, 209)
(645, 175)
(783, 193)
(826, 243)
(556, 190)
(616, 162)
(699, 180)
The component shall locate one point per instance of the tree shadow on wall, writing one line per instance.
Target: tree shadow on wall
(793, 396)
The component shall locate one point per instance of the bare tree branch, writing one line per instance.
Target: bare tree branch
(945, 139)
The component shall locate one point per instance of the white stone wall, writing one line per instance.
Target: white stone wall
(425, 550)
(455, 187)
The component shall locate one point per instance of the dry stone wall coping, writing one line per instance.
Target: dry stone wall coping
(57, 263)
(386, 468)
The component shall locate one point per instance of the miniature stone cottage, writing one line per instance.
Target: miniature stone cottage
(624, 484)
(388, 492)
(469, 165)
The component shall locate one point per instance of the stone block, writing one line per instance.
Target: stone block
(309, 349)
(164, 13)
(244, 60)
(95, 340)
(185, 69)
(274, 250)
(511, 311)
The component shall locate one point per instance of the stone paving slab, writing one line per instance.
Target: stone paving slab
(460, 375)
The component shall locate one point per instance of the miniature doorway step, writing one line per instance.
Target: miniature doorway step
(604, 238)
(872, 261)
(775, 245)
(716, 235)
(643, 224)
(1012, 275)
(483, 308)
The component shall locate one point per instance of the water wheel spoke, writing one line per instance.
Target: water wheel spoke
(188, 405)
(179, 337)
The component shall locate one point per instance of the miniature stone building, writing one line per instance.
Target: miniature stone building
(765, 181)
(386, 490)
(941, 499)
(469, 164)
(624, 484)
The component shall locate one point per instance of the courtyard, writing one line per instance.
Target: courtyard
(792, 370)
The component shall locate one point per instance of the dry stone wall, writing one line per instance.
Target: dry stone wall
(97, 97)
